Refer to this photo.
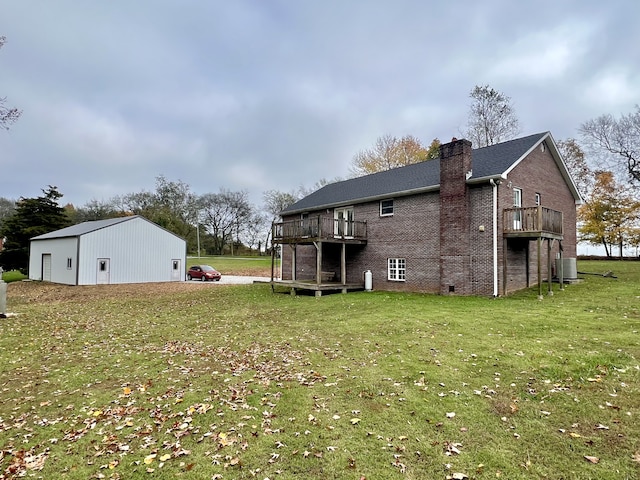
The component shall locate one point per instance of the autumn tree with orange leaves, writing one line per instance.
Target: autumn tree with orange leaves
(391, 152)
(611, 216)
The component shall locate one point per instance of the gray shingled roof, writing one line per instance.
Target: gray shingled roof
(82, 228)
(487, 162)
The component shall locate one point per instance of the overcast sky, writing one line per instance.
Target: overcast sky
(275, 94)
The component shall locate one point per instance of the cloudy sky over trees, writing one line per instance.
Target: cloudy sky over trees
(258, 95)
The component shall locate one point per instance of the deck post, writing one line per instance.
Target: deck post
(504, 267)
(561, 266)
(293, 261)
(273, 254)
(549, 279)
(343, 264)
(539, 268)
(318, 246)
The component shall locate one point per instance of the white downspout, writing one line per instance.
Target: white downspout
(494, 219)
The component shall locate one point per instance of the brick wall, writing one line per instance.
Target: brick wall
(446, 237)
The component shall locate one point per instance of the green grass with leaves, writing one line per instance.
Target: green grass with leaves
(220, 382)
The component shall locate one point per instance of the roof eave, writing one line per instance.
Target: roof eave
(356, 201)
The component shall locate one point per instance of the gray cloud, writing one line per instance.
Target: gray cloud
(260, 95)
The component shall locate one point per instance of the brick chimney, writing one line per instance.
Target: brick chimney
(455, 218)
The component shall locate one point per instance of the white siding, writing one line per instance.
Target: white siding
(61, 250)
(138, 251)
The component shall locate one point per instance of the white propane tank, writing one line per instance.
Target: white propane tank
(368, 281)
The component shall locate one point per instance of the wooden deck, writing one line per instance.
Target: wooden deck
(532, 222)
(319, 229)
(294, 285)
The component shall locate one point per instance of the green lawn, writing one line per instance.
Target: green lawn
(235, 265)
(206, 381)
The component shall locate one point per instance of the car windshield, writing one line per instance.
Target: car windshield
(207, 268)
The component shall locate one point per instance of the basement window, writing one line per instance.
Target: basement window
(69, 261)
(386, 208)
(396, 269)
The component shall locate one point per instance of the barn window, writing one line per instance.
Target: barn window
(103, 266)
(175, 265)
(69, 263)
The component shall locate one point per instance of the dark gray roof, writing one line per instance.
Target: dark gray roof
(487, 162)
(82, 228)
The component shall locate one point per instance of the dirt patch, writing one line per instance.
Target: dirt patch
(41, 292)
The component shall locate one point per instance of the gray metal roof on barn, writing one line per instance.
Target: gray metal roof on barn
(487, 162)
(82, 228)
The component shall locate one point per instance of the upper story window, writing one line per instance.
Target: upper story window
(538, 199)
(386, 208)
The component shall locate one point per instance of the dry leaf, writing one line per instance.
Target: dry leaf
(592, 459)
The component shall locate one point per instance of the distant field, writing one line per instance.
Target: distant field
(258, 266)
(205, 381)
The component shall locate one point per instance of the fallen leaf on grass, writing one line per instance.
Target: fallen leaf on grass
(458, 476)
(355, 421)
(592, 459)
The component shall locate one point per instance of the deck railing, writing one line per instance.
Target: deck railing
(321, 228)
(533, 220)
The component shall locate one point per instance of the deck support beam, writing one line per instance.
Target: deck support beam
(539, 243)
(549, 279)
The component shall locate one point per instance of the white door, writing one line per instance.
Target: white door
(46, 267)
(103, 271)
(176, 270)
(517, 203)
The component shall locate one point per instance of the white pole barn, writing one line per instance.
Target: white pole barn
(118, 250)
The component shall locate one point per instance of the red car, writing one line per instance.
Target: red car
(204, 273)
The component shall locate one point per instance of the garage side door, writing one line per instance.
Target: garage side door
(46, 267)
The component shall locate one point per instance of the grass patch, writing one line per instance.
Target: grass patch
(201, 381)
(252, 266)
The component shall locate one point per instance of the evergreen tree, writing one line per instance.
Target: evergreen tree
(33, 217)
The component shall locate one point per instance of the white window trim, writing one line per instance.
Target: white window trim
(396, 269)
(392, 207)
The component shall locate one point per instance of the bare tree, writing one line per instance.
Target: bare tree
(492, 118)
(574, 159)
(619, 139)
(8, 115)
(391, 152)
(223, 215)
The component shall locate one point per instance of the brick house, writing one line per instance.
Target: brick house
(487, 221)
